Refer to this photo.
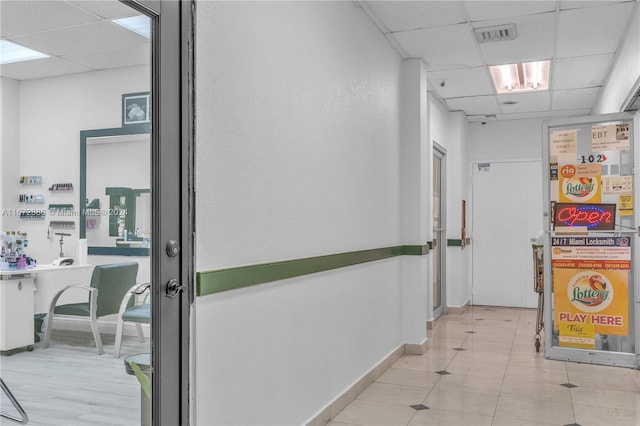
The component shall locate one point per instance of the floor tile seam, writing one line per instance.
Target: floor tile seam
(382, 403)
(504, 375)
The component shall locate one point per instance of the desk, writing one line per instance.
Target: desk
(26, 292)
(49, 279)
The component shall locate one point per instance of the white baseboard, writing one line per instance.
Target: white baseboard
(338, 404)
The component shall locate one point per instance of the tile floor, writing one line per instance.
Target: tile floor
(482, 368)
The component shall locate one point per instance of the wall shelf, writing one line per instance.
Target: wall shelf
(66, 224)
(31, 198)
(59, 207)
(61, 187)
(30, 180)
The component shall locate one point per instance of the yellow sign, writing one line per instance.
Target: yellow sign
(592, 296)
(574, 335)
(625, 206)
(580, 183)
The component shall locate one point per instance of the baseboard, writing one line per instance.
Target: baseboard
(431, 324)
(416, 348)
(457, 309)
(338, 404)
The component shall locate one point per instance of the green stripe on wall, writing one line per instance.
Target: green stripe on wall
(211, 282)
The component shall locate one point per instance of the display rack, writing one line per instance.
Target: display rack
(66, 224)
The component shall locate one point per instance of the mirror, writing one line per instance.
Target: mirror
(114, 189)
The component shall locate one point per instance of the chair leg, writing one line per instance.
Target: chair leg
(49, 326)
(118, 342)
(94, 323)
(140, 332)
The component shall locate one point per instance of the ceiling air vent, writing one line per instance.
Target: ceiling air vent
(497, 33)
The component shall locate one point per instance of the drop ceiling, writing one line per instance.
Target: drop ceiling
(579, 37)
(78, 35)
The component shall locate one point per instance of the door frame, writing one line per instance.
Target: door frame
(172, 136)
(440, 152)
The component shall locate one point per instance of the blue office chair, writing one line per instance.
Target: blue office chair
(133, 308)
(109, 285)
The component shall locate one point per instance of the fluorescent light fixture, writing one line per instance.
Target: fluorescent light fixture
(525, 77)
(139, 24)
(11, 52)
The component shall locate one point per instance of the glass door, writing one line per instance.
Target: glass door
(439, 232)
(94, 163)
(590, 248)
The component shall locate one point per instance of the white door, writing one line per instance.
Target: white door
(507, 213)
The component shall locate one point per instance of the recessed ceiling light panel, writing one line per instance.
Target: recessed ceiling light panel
(524, 77)
(11, 52)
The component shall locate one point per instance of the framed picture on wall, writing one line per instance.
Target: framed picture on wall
(136, 108)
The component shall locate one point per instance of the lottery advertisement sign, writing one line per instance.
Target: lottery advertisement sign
(591, 284)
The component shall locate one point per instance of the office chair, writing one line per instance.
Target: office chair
(109, 284)
(138, 313)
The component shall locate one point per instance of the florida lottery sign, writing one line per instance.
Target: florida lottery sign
(591, 288)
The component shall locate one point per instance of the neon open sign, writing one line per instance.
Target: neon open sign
(591, 216)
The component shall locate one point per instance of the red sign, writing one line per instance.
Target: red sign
(591, 216)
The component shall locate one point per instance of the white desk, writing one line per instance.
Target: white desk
(26, 292)
(49, 279)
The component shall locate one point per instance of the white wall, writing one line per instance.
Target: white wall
(504, 140)
(9, 151)
(297, 155)
(624, 78)
(62, 107)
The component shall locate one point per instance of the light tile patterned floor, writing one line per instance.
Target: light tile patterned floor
(495, 378)
(69, 384)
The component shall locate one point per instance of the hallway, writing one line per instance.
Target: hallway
(481, 368)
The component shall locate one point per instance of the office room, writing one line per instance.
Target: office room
(368, 212)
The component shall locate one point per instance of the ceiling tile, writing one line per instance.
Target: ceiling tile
(486, 10)
(461, 82)
(582, 71)
(139, 54)
(19, 17)
(534, 40)
(526, 102)
(592, 30)
(102, 35)
(565, 5)
(453, 46)
(475, 105)
(46, 67)
(544, 114)
(106, 9)
(572, 99)
(411, 15)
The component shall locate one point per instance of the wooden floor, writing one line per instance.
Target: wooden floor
(70, 384)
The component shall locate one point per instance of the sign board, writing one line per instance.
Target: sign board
(591, 216)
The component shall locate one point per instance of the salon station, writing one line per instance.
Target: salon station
(76, 197)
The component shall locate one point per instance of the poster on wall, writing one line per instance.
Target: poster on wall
(626, 205)
(614, 137)
(617, 184)
(592, 296)
(580, 183)
(591, 287)
(563, 145)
